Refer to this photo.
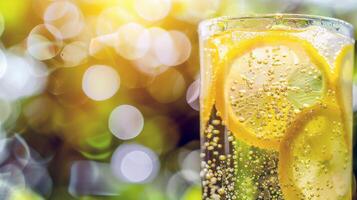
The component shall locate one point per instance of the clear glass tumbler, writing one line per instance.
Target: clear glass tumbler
(276, 108)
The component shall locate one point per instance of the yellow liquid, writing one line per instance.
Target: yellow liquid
(276, 115)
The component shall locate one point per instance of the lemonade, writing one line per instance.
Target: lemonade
(276, 108)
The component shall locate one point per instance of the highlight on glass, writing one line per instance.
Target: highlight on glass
(276, 107)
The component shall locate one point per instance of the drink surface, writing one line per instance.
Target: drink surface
(276, 115)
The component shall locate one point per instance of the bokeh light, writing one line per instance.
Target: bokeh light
(150, 62)
(38, 113)
(3, 63)
(153, 10)
(172, 48)
(11, 179)
(100, 82)
(9, 114)
(193, 95)
(20, 150)
(176, 186)
(44, 42)
(66, 17)
(193, 193)
(22, 168)
(190, 167)
(132, 41)
(182, 46)
(126, 122)
(100, 43)
(91, 178)
(134, 163)
(74, 53)
(171, 91)
(5, 107)
(38, 179)
(23, 194)
(20, 80)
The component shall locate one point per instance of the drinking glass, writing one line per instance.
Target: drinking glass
(276, 108)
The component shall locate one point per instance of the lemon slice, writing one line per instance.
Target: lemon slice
(344, 76)
(314, 160)
(264, 82)
(207, 92)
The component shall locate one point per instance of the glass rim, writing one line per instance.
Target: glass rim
(348, 26)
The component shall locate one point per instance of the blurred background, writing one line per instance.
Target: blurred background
(99, 98)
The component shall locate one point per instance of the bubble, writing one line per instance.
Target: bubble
(126, 122)
(153, 10)
(100, 82)
(66, 17)
(191, 167)
(193, 95)
(74, 53)
(195, 11)
(134, 163)
(133, 41)
(44, 42)
(20, 80)
(150, 63)
(91, 178)
(168, 86)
